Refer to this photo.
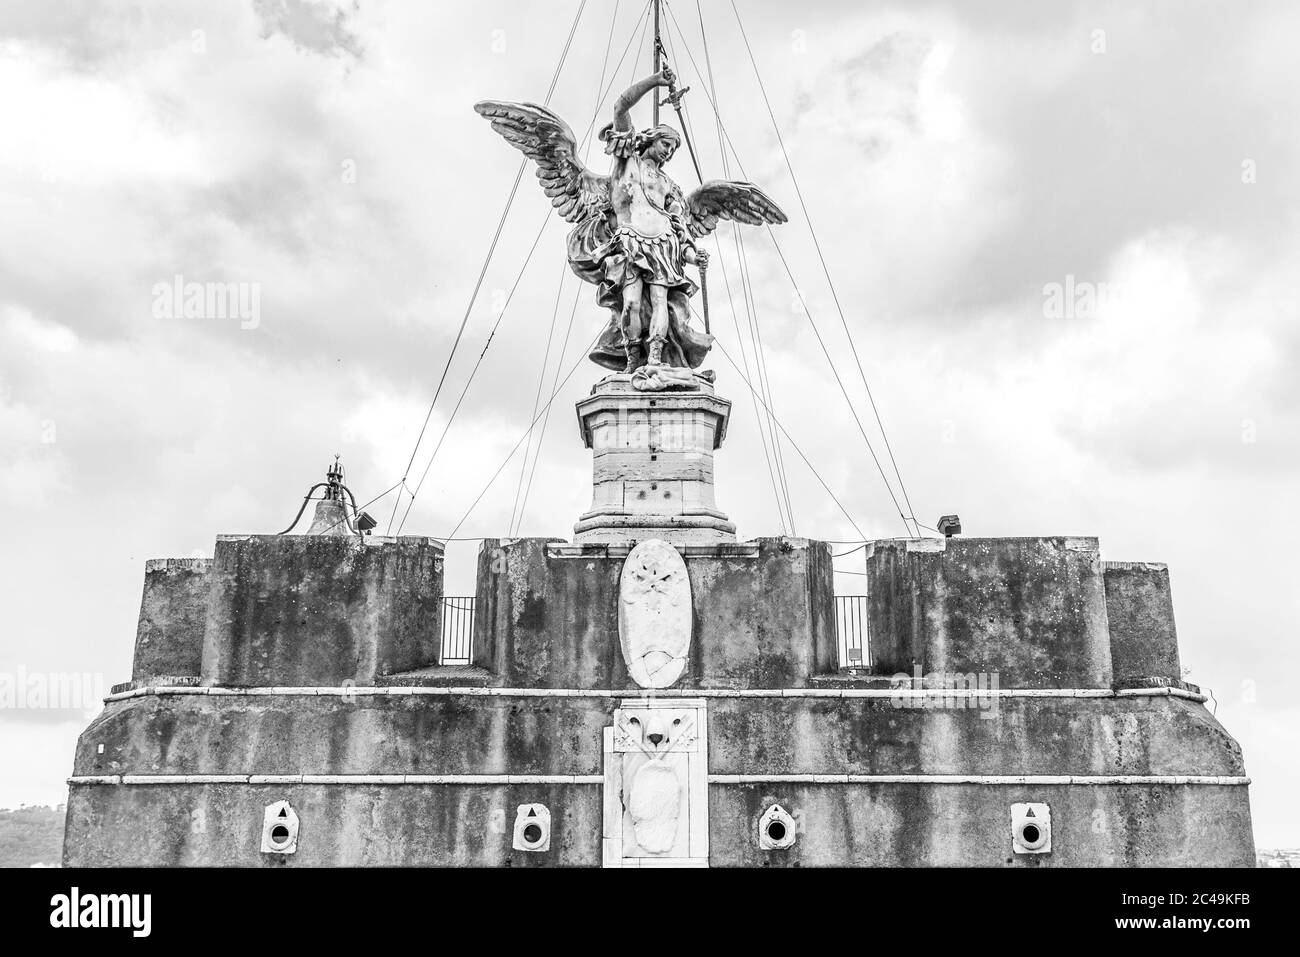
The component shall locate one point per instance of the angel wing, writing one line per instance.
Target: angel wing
(725, 199)
(575, 191)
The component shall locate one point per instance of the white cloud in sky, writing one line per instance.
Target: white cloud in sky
(956, 157)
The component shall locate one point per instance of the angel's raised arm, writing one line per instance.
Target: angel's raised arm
(632, 95)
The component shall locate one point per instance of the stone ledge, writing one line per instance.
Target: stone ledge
(748, 549)
(1134, 684)
(496, 779)
(987, 779)
(346, 779)
(157, 681)
(438, 676)
(1135, 566)
(369, 540)
(177, 564)
(1130, 682)
(673, 695)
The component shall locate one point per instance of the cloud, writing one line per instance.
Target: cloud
(955, 159)
(319, 26)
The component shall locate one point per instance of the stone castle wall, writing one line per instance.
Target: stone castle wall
(316, 683)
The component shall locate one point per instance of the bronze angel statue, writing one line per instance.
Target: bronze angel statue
(635, 230)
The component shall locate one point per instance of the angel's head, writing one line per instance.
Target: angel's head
(659, 143)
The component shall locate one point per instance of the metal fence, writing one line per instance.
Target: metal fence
(457, 630)
(850, 629)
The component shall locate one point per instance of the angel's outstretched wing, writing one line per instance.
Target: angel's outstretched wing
(723, 199)
(575, 191)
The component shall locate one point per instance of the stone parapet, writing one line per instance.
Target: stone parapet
(1140, 610)
(762, 614)
(321, 610)
(169, 635)
(1030, 611)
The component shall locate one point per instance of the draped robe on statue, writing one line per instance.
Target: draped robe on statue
(598, 255)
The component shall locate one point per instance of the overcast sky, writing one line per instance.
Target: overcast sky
(957, 160)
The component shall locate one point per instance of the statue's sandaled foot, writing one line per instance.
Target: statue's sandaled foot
(633, 359)
(656, 352)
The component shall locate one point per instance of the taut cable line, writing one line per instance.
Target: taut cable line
(781, 478)
(515, 449)
(604, 90)
(537, 395)
(643, 21)
(492, 334)
(473, 372)
(546, 418)
(794, 445)
(760, 395)
(478, 284)
(767, 432)
(805, 310)
(822, 258)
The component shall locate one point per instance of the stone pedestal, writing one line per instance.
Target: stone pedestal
(652, 456)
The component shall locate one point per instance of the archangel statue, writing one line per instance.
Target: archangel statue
(635, 230)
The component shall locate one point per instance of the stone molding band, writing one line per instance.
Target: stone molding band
(354, 779)
(996, 779)
(498, 779)
(902, 693)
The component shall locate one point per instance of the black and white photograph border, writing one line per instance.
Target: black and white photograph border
(924, 501)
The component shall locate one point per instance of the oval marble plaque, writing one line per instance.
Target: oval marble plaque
(654, 614)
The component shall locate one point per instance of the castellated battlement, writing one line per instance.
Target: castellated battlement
(272, 610)
(761, 614)
(650, 704)
(286, 611)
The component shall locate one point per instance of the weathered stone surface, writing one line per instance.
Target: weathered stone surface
(169, 637)
(1030, 610)
(1010, 736)
(321, 610)
(762, 614)
(768, 622)
(878, 825)
(498, 734)
(966, 825)
(377, 825)
(1140, 610)
(438, 676)
(334, 734)
(839, 823)
(184, 777)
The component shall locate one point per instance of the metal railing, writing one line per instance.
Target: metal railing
(851, 630)
(457, 630)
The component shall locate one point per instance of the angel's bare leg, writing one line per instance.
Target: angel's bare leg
(631, 321)
(658, 323)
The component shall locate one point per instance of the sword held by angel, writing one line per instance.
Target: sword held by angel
(634, 230)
